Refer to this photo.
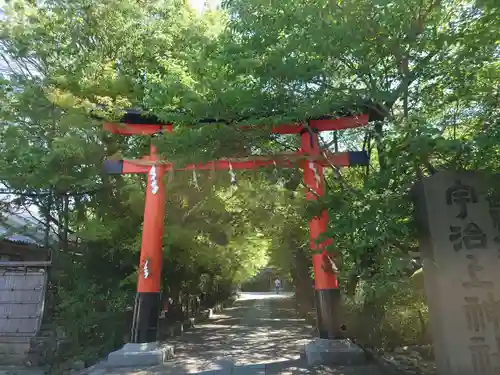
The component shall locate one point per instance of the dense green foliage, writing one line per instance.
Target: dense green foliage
(428, 69)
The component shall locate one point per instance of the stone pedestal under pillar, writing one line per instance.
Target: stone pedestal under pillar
(333, 352)
(146, 354)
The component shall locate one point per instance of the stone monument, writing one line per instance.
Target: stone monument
(458, 215)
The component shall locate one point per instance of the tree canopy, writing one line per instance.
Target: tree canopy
(427, 70)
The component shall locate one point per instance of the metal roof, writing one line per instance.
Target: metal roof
(21, 227)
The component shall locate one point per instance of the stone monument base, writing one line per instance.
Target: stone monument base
(146, 354)
(334, 352)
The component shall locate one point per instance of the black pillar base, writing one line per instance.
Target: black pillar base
(328, 311)
(146, 315)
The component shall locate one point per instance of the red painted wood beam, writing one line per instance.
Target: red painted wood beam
(135, 129)
(340, 159)
(319, 125)
(323, 125)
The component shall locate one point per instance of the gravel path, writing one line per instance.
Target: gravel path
(260, 334)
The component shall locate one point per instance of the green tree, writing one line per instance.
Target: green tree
(427, 71)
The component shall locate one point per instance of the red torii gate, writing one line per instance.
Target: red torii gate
(312, 160)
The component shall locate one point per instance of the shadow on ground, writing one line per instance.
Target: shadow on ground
(261, 334)
(250, 333)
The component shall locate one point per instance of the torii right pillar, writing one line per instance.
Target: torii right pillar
(326, 286)
(332, 347)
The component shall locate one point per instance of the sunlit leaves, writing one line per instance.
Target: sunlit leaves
(430, 66)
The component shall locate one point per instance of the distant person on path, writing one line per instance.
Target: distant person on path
(277, 285)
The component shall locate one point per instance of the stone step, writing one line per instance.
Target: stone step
(17, 348)
(46, 334)
(13, 359)
(15, 339)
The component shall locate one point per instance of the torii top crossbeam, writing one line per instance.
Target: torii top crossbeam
(134, 123)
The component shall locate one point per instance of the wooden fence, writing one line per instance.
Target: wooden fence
(22, 296)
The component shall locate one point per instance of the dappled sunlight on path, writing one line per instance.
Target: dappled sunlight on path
(248, 333)
(260, 334)
(249, 296)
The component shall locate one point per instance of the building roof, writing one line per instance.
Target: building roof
(21, 227)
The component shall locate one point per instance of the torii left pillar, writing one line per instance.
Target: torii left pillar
(144, 349)
(147, 301)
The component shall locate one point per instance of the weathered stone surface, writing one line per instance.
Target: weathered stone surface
(78, 365)
(147, 354)
(259, 369)
(97, 372)
(22, 370)
(333, 352)
(459, 221)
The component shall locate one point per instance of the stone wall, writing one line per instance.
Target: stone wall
(459, 221)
